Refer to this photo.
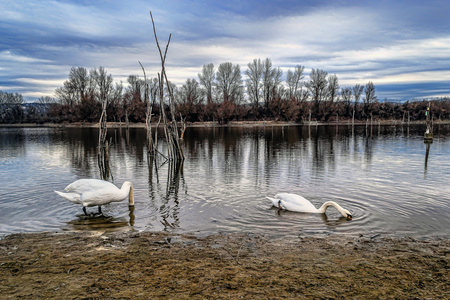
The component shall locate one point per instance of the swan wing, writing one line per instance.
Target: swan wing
(85, 185)
(296, 203)
(102, 197)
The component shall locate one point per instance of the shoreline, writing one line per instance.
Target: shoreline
(222, 266)
(230, 124)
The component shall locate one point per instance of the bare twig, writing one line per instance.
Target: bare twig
(148, 116)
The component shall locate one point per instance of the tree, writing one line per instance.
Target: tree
(77, 88)
(189, 93)
(254, 81)
(104, 91)
(154, 89)
(293, 81)
(357, 92)
(229, 82)
(189, 97)
(333, 88)
(207, 80)
(271, 80)
(10, 107)
(370, 98)
(83, 94)
(317, 86)
(46, 100)
(346, 95)
(137, 88)
(134, 99)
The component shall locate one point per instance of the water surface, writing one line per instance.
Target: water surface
(381, 174)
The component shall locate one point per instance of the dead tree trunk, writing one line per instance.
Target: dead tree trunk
(170, 129)
(151, 150)
(103, 147)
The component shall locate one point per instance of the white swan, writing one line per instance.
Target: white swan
(96, 192)
(297, 203)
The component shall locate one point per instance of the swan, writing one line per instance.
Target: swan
(297, 203)
(96, 192)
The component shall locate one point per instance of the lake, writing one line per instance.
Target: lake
(393, 183)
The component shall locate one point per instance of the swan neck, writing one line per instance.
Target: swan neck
(324, 207)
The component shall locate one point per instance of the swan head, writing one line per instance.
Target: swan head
(129, 185)
(339, 208)
(348, 215)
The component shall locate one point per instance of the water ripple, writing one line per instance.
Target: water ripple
(382, 179)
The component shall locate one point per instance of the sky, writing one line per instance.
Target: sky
(402, 46)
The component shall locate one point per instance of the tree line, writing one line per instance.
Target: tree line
(219, 94)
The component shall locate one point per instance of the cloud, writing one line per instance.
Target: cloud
(390, 43)
(11, 57)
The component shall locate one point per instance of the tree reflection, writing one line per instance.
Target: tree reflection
(169, 208)
(427, 153)
(170, 202)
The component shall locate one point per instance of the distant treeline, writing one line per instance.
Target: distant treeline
(218, 95)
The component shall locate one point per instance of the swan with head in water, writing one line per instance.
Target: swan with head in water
(293, 202)
(96, 192)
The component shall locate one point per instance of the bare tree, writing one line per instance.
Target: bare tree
(189, 93)
(151, 149)
(317, 86)
(154, 89)
(188, 98)
(207, 80)
(370, 98)
(104, 94)
(137, 87)
(333, 88)
(254, 81)
(10, 107)
(277, 90)
(357, 92)
(293, 81)
(46, 100)
(229, 82)
(104, 88)
(271, 81)
(77, 88)
(346, 94)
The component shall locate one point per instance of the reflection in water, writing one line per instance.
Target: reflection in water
(378, 174)
(103, 161)
(427, 153)
(169, 209)
(169, 213)
(98, 223)
(309, 222)
(131, 215)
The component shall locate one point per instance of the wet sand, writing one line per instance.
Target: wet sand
(132, 265)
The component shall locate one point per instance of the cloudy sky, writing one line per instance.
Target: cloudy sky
(402, 46)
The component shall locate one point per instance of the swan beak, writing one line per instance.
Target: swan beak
(349, 217)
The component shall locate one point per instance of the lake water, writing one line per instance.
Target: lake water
(381, 174)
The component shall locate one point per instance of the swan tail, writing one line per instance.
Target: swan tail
(72, 197)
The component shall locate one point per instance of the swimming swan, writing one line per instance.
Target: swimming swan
(96, 192)
(297, 203)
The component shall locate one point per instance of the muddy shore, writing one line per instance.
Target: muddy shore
(130, 265)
